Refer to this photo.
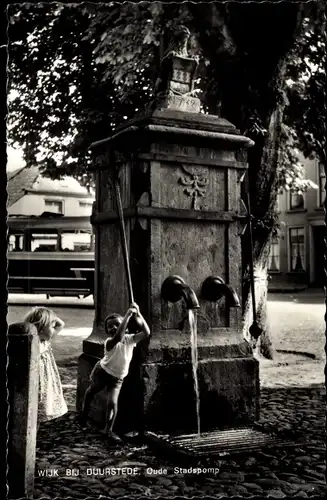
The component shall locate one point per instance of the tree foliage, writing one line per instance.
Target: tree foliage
(76, 71)
(306, 82)
(303, 128)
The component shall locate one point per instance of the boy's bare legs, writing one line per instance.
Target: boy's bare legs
(90, 392)
(112, 409)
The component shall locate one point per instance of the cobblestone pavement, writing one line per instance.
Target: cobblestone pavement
(292, 396)
(297, 471)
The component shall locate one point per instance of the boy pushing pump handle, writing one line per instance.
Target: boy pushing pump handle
(111, 370)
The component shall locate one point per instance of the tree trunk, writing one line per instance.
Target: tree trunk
(246, 72)
(264, 345)
(263, 202)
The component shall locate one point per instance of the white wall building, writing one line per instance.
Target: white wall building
(297, 255)
(29, 193)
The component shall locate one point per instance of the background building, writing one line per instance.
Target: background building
(297, 254)
(31, 194)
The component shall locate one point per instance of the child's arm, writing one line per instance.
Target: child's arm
(120, 333)
(145, 333)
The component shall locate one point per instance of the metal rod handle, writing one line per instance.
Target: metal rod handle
(123, 240)
(251, 259)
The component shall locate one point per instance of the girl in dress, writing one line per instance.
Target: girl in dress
(51, 399)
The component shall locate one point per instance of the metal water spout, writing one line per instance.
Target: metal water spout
(231, 296)
(214, 288)
(174, 289)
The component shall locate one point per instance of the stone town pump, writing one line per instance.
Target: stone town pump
(180, 174)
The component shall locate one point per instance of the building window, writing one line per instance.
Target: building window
(16, 242)
(322, 182)
(44, 240)
(54, 206)
(79, 240)
(297, 248)
(274, 255)
(278, 200)
(296, 201)
(85, 204)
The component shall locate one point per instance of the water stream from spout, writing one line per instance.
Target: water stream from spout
(194, 354)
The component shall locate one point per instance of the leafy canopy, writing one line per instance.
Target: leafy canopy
(77, 71)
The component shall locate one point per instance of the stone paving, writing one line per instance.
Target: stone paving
(297, 471)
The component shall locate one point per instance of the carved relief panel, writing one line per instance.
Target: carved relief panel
(194, 251)
(188, 187)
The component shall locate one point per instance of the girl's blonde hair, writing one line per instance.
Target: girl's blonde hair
(41, 317)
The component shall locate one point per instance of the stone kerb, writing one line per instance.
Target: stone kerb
(22, 393)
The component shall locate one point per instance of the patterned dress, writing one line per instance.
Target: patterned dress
(51, 399)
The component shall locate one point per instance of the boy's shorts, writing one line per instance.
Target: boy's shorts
(102, 379)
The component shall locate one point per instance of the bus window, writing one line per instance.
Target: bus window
(15, 243)
(79, 240)
(44, 241)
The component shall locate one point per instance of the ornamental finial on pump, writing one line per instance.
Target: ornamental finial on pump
(174, 88)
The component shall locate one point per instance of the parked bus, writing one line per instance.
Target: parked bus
(50, 254)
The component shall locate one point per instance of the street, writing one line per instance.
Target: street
(77, 314)
(297, 321)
